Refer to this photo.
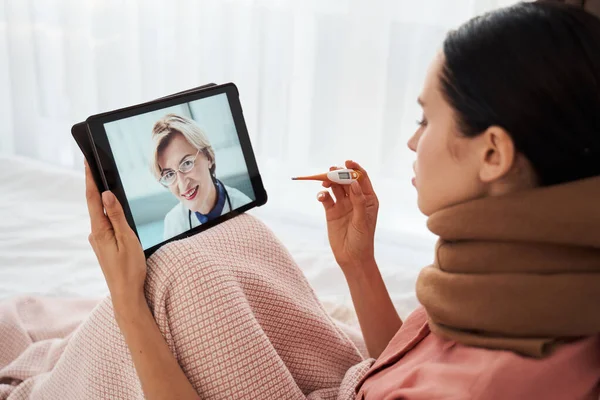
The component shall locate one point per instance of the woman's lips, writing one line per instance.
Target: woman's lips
(190, 194)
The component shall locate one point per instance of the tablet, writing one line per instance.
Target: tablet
(179, 165)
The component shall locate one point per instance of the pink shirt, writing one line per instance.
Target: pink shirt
(418, 365)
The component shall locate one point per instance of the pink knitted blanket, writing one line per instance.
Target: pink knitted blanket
(233, 307)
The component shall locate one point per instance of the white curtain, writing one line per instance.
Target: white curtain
(321, 81)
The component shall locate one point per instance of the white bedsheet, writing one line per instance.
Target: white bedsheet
(44, 248)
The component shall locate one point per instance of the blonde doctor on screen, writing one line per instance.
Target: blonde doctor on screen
(184, 162)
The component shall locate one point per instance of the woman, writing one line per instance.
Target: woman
(508, 171)
(184, 162)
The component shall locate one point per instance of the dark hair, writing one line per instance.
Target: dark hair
(534, 70)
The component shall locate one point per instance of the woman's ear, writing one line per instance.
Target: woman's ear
(498, 154)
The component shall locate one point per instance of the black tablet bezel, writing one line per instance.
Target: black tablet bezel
(108, 167)
(81, 135)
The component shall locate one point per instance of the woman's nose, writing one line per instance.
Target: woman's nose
(181, 180)
(414, 141)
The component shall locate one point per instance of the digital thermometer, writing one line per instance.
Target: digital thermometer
(339, 176)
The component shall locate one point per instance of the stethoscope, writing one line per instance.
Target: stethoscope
(226, 198)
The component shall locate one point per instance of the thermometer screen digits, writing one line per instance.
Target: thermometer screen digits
(344, 175)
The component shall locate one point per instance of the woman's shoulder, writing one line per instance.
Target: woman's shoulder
(178, 211)
(175, 221)
(420, 363)
(237, 196)
(572, 371)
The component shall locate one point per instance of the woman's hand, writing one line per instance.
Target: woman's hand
(351, 220)
(116, 246)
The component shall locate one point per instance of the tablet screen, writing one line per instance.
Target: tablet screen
(180, 166)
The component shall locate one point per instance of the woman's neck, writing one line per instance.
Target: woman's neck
(210, 202)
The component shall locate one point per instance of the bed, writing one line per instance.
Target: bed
(44, 248)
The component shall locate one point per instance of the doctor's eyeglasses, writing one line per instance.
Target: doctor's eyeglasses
(168, 176)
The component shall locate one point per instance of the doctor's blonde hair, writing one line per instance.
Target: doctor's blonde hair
(171, 124)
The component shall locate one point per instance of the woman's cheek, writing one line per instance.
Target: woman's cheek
(198, 177)
(173, 189)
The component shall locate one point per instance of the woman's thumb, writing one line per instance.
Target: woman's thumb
(114, 211)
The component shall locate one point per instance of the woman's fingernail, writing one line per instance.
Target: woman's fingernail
(108, 198)
(320, 196)
(355, 188)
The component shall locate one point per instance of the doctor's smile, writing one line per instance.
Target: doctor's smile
(190, 194)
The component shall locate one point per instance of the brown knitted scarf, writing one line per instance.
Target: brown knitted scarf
(518, 272)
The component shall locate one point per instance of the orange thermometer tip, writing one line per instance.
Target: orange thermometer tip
(321, 177)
